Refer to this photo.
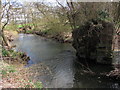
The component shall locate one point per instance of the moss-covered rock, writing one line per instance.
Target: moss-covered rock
(93, 41)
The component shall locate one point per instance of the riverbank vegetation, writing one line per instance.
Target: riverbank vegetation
(12, 71)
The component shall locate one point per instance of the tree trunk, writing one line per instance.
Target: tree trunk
(5, 40)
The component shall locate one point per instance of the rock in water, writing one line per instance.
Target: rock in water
(93, 41)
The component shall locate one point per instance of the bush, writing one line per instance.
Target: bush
(11, 53)
(104, 15)
(5, 52)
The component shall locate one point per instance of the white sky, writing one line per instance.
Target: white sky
(52, 2)
(61, 1)
(38, 0)
(31, 0)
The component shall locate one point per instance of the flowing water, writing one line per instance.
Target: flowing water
(65, 70)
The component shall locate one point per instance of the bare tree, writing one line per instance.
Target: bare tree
(69, 13)
(5, 15)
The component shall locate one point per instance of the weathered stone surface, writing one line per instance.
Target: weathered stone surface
(116, 43)
(93, 41)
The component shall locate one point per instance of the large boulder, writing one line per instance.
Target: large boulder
(93, 41)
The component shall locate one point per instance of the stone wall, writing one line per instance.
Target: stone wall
(93, 41)
(116, 43)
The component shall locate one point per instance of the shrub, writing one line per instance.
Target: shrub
(5, 52)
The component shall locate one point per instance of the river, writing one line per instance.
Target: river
(61, 60)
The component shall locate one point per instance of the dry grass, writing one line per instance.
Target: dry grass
(16, 77)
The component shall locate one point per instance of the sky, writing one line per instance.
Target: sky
(22, 1)
(61, 1)
(38, 0)
(52, 2)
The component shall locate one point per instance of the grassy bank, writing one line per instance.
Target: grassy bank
(59, 32)
(13, 73)
(16, 77)
(63, 37)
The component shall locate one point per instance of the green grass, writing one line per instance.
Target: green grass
(11, 27)
(6, 69)
(10, 69)
(3, 72)
(5, 52)
(29, 31)
(20, 26)
(11, 53)
(38, 85)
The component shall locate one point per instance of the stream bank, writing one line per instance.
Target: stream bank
(13, 76)
(12, 67)
(64, 37)
(60, 60)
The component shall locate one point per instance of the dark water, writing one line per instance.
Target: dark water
(61, 60)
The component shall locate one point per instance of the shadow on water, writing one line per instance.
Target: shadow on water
(63, 70)
(85, 80)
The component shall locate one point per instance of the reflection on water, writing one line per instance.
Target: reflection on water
(38, 48)
(61, 60)
(82, 80)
